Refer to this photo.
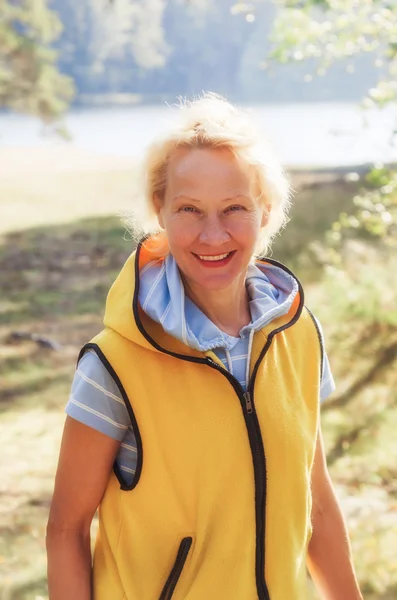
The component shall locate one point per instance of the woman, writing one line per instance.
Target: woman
(193, 421)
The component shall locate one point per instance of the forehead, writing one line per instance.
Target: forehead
(204, 169)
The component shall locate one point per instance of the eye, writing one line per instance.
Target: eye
(235, 208)
(187, 209)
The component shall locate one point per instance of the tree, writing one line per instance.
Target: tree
(331, 30)
(37, 43)
(30, 81)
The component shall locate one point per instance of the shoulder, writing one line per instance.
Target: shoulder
(92, 370)
(311, 318)
(95, 398)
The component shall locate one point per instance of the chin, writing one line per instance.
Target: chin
(213, 283)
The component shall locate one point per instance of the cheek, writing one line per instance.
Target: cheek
(180, 233)
(245, 230)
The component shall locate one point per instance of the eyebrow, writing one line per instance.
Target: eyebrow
(183, 197)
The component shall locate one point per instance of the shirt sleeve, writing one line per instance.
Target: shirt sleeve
(327, 386)
(95, 399)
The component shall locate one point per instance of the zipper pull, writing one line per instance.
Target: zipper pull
(248, 402)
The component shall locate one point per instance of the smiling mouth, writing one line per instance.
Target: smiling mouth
(214, 258)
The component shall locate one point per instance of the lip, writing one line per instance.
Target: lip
(214, 264)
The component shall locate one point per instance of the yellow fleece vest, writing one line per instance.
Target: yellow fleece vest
(220, 505)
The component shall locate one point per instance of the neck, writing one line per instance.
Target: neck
(228, 309)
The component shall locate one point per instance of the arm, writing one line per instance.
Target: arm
(329, 556)
(85, 463)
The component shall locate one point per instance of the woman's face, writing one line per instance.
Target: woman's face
(211, 217)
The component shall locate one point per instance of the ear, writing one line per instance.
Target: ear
(265, 214)
(158, 206)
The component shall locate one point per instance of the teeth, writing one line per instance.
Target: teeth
(218, 257)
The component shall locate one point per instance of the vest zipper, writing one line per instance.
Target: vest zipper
(168, 589)
(248, 403)
(259, 461)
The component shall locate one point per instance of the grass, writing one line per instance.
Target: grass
(54, 280)
(56, 265)
(65, 305)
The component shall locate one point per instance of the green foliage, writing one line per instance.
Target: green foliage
(341, 29)
(29, 79)
(331, 30)
(375, 214)
(360, 288)
(152, 49)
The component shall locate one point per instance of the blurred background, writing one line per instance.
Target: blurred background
(84, 87)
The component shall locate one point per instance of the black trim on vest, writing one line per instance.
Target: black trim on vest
(250, 416)
(123, 485)
(176, 571)
(320, 338)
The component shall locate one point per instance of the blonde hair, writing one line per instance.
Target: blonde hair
(210, 121)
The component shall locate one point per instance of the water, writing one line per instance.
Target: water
(303, 134)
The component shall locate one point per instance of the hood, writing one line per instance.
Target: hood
(272, 292)
(147, 304)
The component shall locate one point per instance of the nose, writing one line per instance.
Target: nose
(213, 232)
